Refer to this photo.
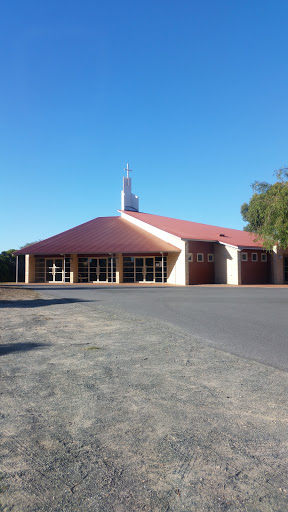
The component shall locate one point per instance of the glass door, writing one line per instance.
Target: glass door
(102, 276)
(54, 270)
(149, 270)
(139, 269)
(49, 270)
(286, 269)
(144, 270)
(93, 270)
(58, 270)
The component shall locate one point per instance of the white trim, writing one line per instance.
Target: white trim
(202, 255)
(212, 259)
(249, 248)
(198, 240)
(229, 245)
(254, 254)
(244, 254)
(190, 257)
(54, 271)
(153, 230)
(265, 257)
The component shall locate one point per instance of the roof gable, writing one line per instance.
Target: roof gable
(188, 230)
(101, 235)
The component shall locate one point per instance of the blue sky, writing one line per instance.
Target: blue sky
(192, 94)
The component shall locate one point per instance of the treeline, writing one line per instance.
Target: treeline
(7, 266)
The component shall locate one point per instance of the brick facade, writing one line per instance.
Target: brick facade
(201, 272)
(253, 269)
(277, 267)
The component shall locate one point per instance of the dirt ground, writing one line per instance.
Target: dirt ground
(104, 412)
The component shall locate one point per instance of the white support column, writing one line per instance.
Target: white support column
(162, 267)
(112, 268)
(17, 268)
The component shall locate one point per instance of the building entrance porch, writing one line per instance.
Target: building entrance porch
(144, 269)
(96, 269)
(54, 270)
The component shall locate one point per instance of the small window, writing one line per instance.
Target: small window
(244, 256)
(254, 256)
(200, 257)
(263, 256)
(190, 256)
(210, 258)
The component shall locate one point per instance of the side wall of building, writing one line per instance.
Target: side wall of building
(255, 271)
(277, 270)
(177, 267)
(227, 264)
(201, 269)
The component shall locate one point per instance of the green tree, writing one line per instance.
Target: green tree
(7, 266)
(267, 211)
(30, 243)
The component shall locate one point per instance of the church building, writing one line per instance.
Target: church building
(136, 247)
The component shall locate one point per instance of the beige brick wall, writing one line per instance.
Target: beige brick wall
(177, 263)
(177, 267)
(29, 268)
(277, 269)
(227, 264)
(73, 268)
(119, 268)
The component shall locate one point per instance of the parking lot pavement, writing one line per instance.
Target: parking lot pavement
(249, 322)
(103, 410)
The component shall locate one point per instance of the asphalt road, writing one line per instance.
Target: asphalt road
(248, 322)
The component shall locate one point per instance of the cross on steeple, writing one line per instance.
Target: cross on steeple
(128, 170)
(129, 201)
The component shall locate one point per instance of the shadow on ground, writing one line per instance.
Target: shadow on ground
(19, 347)
(36, 303)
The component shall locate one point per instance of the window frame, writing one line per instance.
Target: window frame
(263, 257)
(244, 254)
(190, 257)
(210, 255)
(256, 257)
(201, 254)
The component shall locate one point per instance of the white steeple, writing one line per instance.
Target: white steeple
(129, 201)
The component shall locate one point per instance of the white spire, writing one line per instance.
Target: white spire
(128, 170)
(129, 201)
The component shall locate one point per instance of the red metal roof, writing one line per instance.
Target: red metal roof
(101, 235)
(196, 231)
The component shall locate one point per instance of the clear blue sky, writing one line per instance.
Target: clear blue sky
(192, 94)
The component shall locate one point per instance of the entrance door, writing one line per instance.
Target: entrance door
(149, 270)
(54, 270)
(144, 270)
(102, 269)
(285, 269)
(139, 269)
(92, 270)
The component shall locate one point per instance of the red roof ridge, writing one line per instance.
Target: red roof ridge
(190, 230)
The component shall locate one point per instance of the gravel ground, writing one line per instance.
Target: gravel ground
(102, 411)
